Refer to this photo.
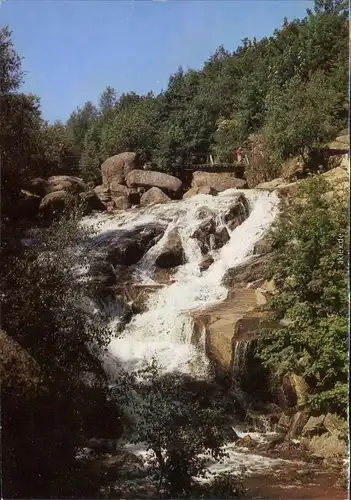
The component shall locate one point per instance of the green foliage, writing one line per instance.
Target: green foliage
(309, 270)
(132, 127)
(174, 426)
(291, 87)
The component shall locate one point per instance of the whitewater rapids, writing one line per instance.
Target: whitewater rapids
(164, 332)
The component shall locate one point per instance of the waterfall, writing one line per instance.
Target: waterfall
(165, 330)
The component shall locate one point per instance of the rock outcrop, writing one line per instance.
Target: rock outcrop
(172, 253)
(200, 190)
(66, 183)
(148, 179)
(218, 181)
(231, 321)
(237, 213)
(55, 203)
(121, 202)
(209, 236)
(155, 196)
(206, 263)
(91, 201)
(102, 193)
(116, 168)
(117, 190)
(126, 247)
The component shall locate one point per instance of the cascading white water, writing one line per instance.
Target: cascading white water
(164, 331)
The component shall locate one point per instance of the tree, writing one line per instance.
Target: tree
(176, 428)
(91, 158)
(11, 74)
(42, 311)
(132, 128)
(309, 270)
(107, 100)
(78, 124)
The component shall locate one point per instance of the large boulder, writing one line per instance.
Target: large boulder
(218, 181)
(251, 270)
(102, 193)
(55, 203)
(91, 201)
(154, 195)
(67, 183)
(126, 247)
(200, 190)
(228, 322)
(117, 190)
(148, 179)
(209, 236)
(206, 262)
(314, 426)
(122, 202)
(172, 253)
(38, 186)
(117, 167)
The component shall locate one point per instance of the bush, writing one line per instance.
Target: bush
(309, 267)
(176, 428)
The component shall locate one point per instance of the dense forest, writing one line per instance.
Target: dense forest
(288, 91)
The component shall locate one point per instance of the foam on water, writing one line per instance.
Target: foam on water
(164, 331)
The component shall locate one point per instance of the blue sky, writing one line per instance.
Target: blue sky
(74, 49)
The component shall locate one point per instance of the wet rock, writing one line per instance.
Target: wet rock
(206, 263)
(164, 276)
(103, 275)
(204, 213)
(314, 426)
(237, 213)
(172, 253)
(154, 195)
(126, 247)
(200, 190)
(210, 237)
(246, 442)
(251, 270)
(149, 179)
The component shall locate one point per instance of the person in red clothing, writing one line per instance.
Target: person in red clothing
(239, 154)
